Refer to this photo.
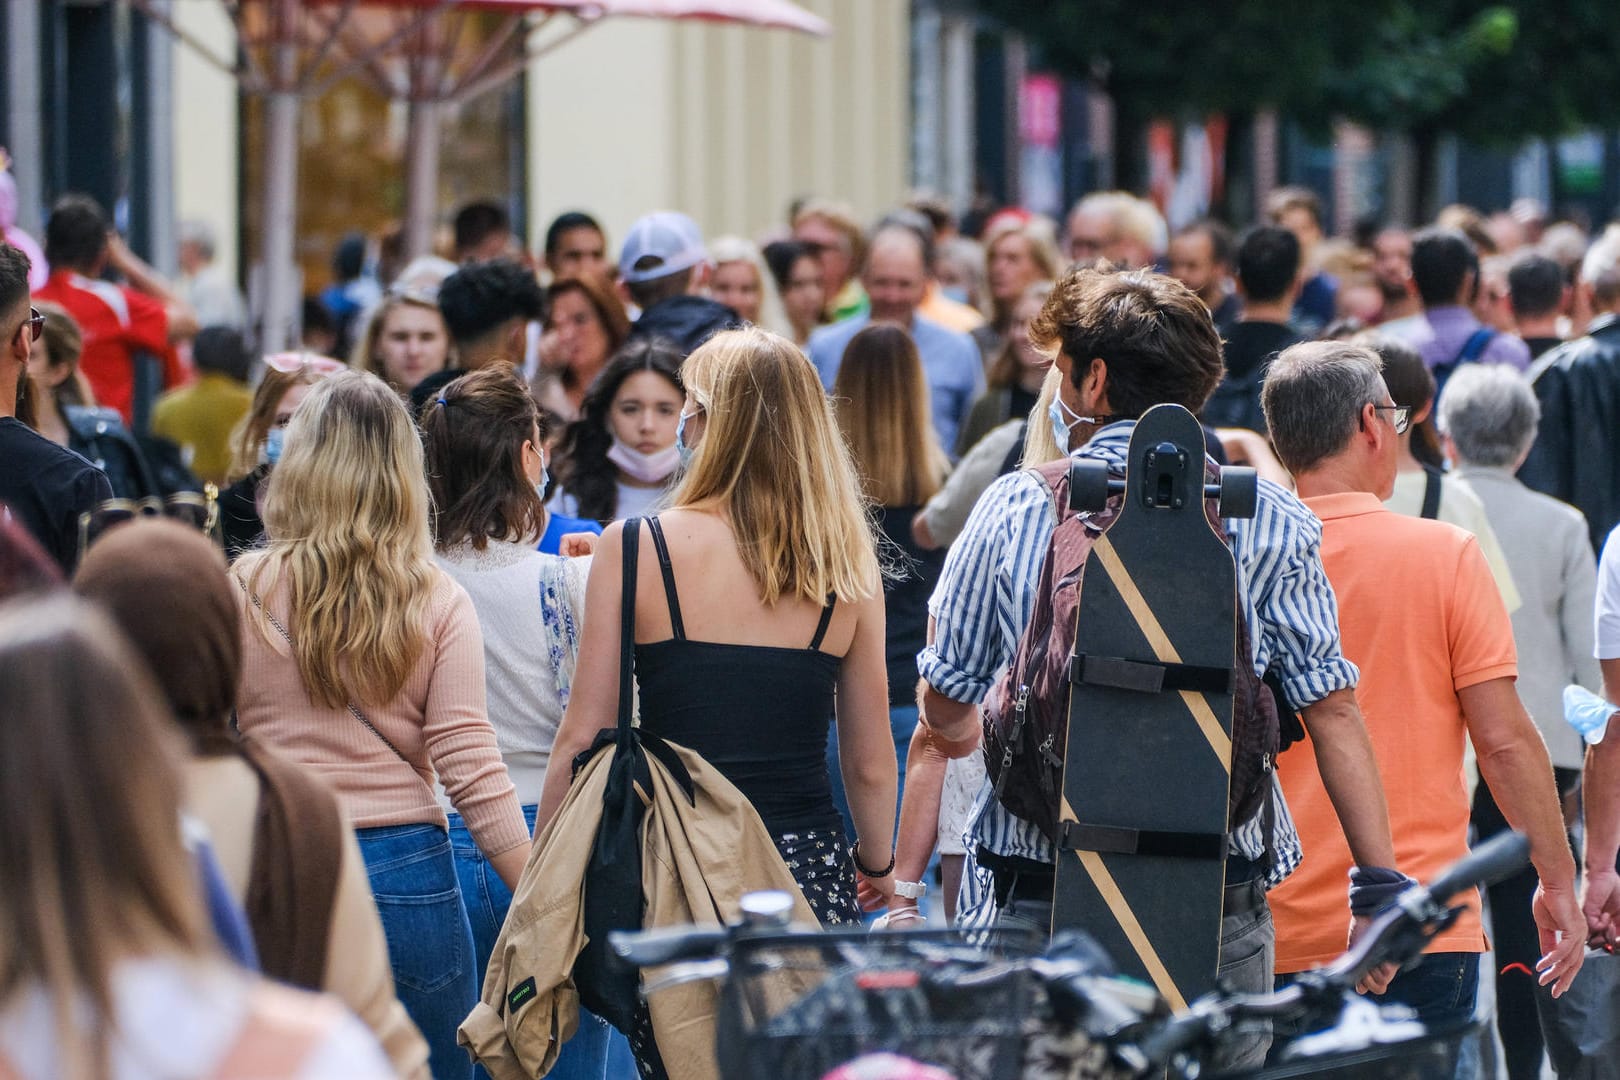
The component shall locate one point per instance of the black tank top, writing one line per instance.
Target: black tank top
(758, 713)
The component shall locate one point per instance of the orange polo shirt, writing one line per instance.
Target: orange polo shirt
(1421, 616)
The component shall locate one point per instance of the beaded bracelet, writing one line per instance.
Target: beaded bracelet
(855, 857)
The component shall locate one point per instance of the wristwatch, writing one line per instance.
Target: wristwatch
(911, 890)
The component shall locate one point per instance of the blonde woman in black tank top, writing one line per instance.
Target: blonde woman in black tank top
(763, 606)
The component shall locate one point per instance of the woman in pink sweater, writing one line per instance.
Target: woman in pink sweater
(363, 661)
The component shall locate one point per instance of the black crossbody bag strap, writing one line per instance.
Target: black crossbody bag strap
(627, 630)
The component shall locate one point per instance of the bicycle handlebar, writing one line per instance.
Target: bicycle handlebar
(650, 948)
(1397, 929)
(1499, 857)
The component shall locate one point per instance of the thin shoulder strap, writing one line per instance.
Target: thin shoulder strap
(826, 618)
(667, 569)
(1431, 493)
(627, 627)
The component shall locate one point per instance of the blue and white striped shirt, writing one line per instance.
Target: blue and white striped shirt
(983, 601)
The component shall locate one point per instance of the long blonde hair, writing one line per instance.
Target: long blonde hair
(91, 855)
(347, 517)
(771, 460)
(1039, 446)
(881, 401)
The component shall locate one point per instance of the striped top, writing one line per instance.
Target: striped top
(985, 595)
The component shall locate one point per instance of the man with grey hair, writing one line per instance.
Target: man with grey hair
(208, 289)
(1420, 615)
(1576, 457)
(1488, 414)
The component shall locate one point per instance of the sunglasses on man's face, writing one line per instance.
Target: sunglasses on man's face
(34, 324)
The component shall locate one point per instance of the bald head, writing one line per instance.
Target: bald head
(896, 274)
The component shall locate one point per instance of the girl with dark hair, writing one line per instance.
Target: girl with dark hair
(620, 455)
(486, 468)
(1016, 373)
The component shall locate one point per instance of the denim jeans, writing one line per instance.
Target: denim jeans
(1248, 953)
(902, 722)
(430, 948)
(597, 1051)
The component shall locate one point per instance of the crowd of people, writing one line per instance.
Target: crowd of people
(303, 654)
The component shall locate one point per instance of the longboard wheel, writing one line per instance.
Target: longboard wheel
(1240, 492)
(1088, 485)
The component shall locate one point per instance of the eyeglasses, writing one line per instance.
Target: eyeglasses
(199, 509)
(34, 324)
(1400, 416)
(291, 363)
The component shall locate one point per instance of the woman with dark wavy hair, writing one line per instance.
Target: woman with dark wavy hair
(619, 457)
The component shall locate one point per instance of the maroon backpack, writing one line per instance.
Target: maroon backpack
(1026, 714)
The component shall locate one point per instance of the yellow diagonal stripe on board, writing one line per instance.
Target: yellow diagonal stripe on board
(1121, 909)
(1219, 740)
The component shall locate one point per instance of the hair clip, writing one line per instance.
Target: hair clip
(443, 402)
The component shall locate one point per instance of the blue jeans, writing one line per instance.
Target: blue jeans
(902, 722)
(596, 1052)
(430, 947)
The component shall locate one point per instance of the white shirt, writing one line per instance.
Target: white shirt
(633, 502)
(178, 1017)
(1607, 621)
(530, 608)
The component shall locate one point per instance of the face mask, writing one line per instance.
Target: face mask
(274, 440)
(544, 481)
(955, 292)
(647, 468)
(681, 449)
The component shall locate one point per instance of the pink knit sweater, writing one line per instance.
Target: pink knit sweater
(437, 721)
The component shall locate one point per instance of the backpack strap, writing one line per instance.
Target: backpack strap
(1432, 480)
(1474, 347)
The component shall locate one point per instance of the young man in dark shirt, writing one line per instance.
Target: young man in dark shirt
(42, 485)
(1268, 261)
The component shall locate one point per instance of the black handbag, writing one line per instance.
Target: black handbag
(608, 986)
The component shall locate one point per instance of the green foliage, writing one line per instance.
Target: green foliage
(1489, 70)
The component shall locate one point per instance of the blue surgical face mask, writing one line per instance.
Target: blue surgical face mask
(681, 448)
(955, 292)
(274, 441)
(1063, 420)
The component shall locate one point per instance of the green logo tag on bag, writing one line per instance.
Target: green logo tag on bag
(522, 995)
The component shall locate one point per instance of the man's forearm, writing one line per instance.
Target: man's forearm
(1513, 761)
(1600, 801)
(1349, 771)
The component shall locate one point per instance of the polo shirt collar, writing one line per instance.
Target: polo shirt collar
(1344, 504)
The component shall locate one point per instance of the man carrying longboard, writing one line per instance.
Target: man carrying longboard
(1124, 343)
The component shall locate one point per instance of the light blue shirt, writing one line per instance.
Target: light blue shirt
(987, 590)
(951, 364)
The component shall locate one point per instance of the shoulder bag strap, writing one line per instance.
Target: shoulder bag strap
(1474, 347)
(627, 627)
(353, 710)
(1432, 479)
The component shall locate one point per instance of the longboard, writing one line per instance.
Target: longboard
(1147, 765)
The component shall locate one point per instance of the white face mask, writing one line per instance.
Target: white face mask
(1064, 420)
(647, 468)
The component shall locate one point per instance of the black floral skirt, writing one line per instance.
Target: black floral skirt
(819, 861)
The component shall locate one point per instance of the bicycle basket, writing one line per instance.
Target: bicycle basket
(797, 1006)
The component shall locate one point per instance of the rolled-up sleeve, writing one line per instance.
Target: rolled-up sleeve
(1294, 616)
(982, 601)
